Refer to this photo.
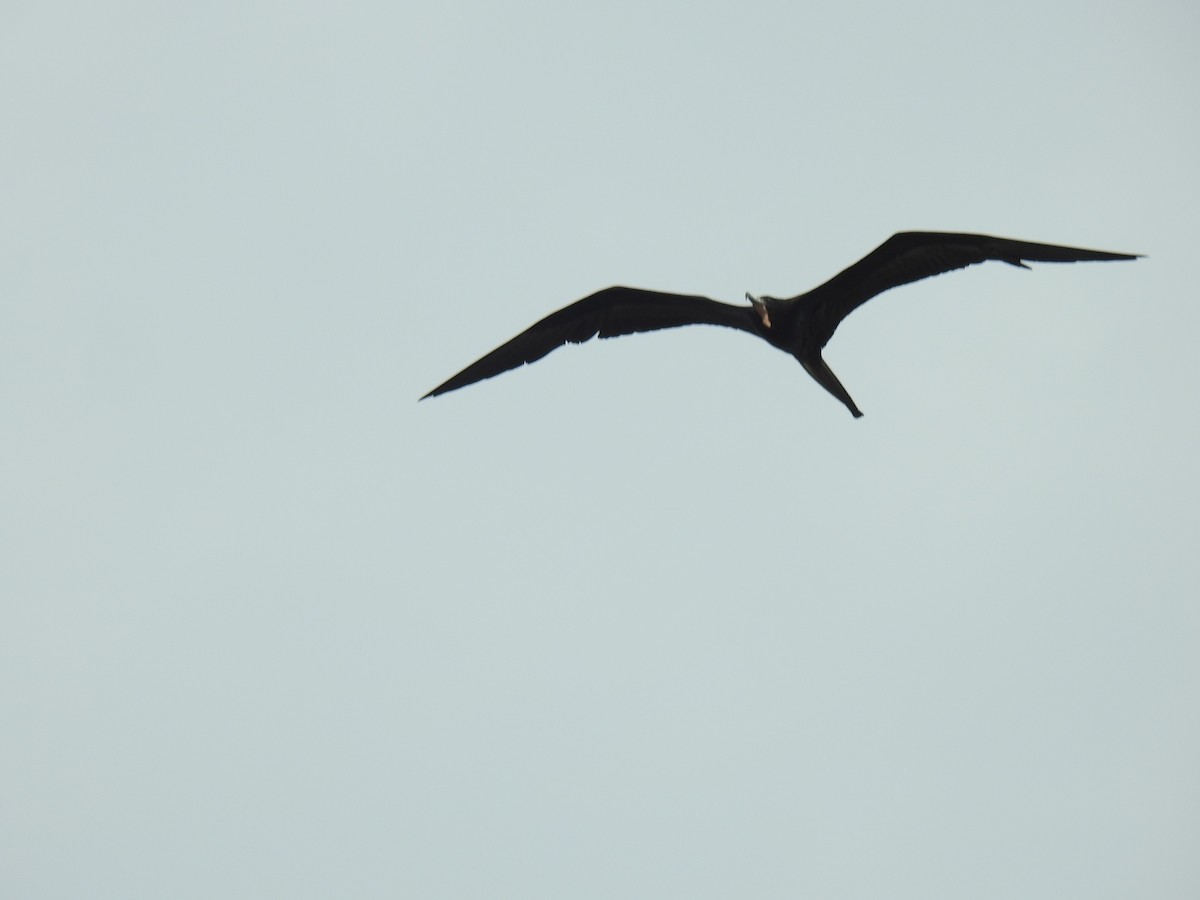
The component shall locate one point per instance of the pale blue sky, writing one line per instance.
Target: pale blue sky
(656, 617)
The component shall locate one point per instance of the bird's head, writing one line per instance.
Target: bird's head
(760, 307)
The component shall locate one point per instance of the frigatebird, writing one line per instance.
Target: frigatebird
(800, 325)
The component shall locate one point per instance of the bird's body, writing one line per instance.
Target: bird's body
(800, 325)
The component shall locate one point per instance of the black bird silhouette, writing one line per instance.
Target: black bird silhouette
(800, 325)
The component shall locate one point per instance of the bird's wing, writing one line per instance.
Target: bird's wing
(608, 313)
(913, 255)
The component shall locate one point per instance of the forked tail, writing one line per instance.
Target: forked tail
(816, 366)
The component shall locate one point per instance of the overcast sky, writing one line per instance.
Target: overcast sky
(655, 617)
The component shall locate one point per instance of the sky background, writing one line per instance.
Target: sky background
(656, 617)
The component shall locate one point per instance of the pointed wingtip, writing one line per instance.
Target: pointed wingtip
(444, 387)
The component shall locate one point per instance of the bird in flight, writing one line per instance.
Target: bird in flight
(800, 325)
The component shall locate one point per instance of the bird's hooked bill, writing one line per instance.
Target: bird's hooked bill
(760, 308)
